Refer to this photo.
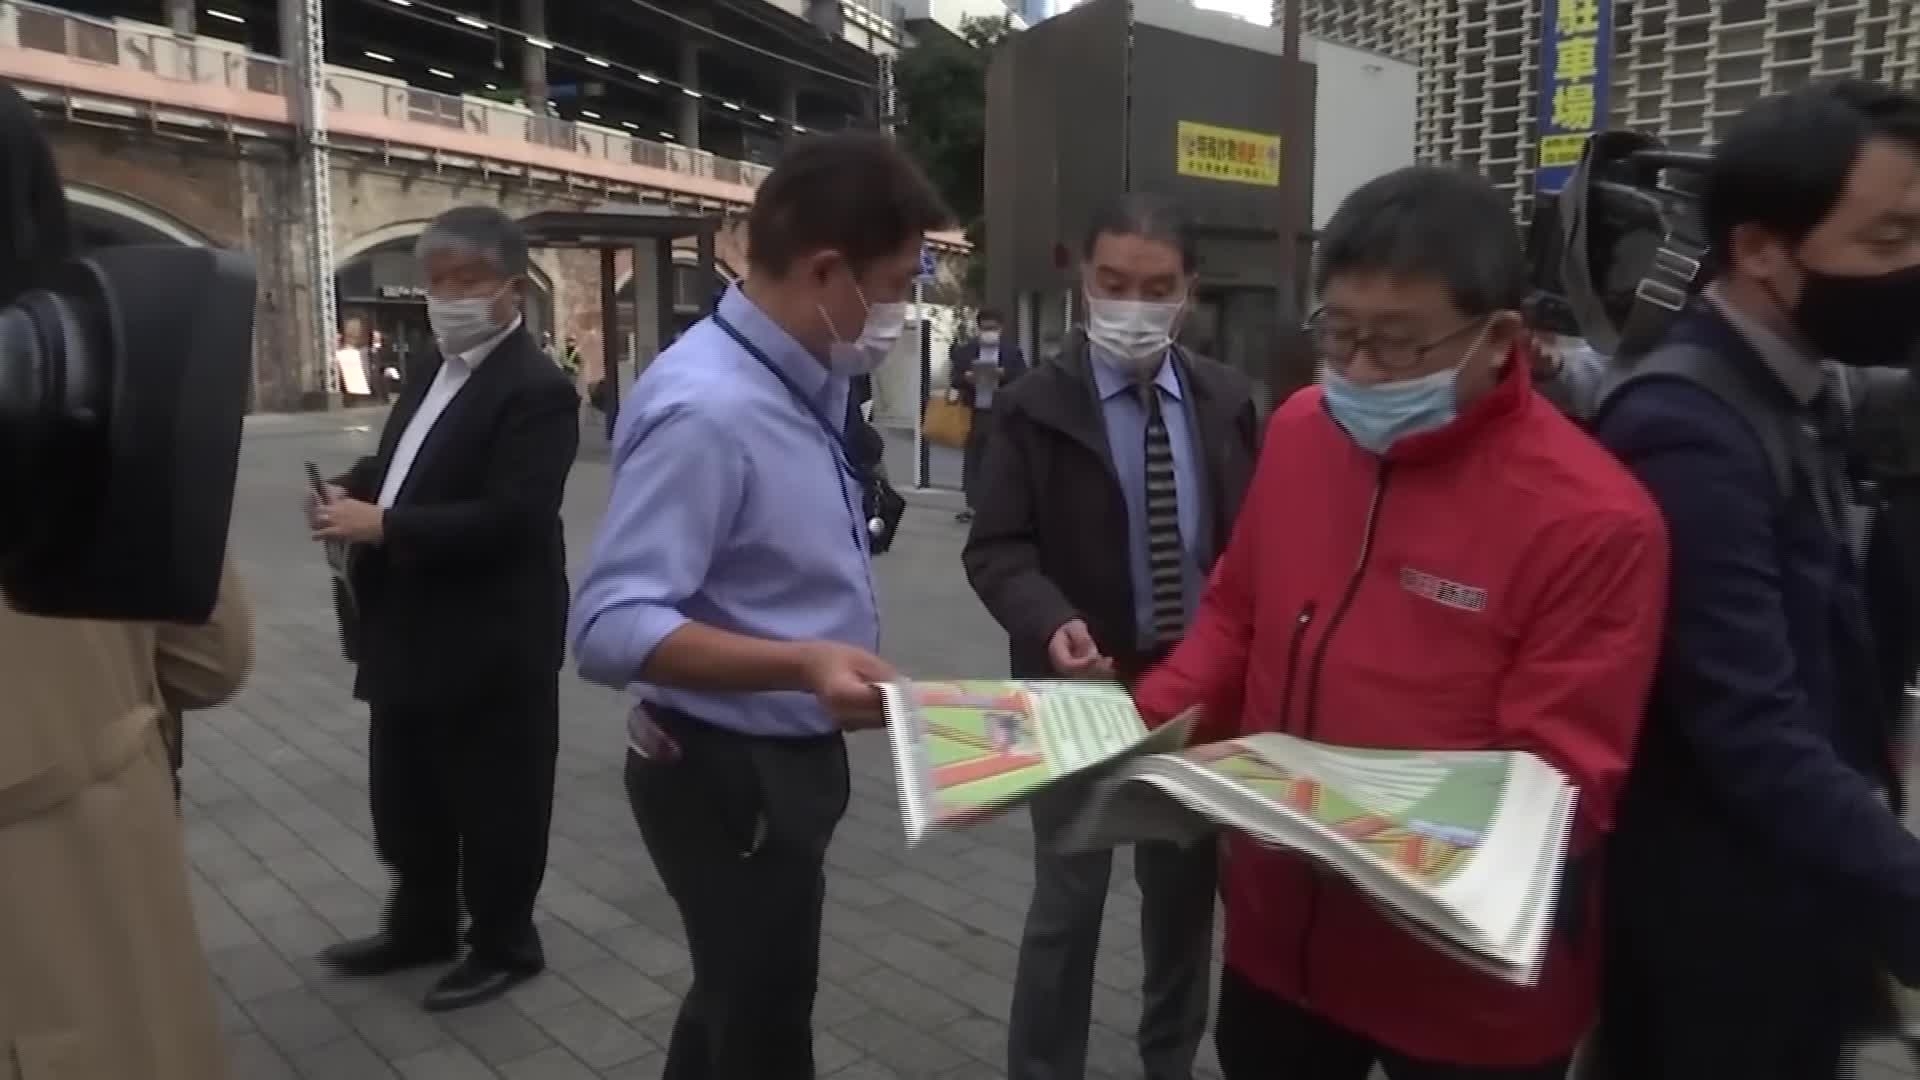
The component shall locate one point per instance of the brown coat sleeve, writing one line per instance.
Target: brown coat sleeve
(201, 666)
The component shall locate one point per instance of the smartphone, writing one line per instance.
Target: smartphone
(319, 485)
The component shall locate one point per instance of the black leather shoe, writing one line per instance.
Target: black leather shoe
(472, 982)
(383, 954)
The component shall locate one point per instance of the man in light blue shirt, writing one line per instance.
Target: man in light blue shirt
(731, 588)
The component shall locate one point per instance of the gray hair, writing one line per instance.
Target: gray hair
(477, 230)
(1429, 223)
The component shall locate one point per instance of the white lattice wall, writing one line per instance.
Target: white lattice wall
(1680, 67)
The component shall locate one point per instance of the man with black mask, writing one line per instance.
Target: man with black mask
(1760, 882)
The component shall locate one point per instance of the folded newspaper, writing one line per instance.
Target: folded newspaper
(1464, 848)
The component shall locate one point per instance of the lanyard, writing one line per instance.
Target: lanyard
(842, 458)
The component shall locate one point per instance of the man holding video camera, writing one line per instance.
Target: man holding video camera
(1761, 880)
(104, 631)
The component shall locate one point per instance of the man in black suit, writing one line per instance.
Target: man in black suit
(459, 574)
(1125, 441)
(980, 369)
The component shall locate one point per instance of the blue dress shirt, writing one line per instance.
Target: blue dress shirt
(1126, 419)
(732, 507)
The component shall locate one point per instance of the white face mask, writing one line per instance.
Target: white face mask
(1134, 332)
(460, 323)
(989, 339)
(863, 355)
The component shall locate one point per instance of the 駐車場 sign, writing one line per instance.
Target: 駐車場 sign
(1576, 39)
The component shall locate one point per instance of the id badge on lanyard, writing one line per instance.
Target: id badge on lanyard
(842, 457)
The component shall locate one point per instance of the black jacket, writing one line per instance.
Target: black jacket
(1752, 844)
(1048, 542)
(467, 595)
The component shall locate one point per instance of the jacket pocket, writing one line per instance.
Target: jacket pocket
(53, 1055)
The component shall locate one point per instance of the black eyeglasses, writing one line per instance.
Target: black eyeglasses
(1337, 344)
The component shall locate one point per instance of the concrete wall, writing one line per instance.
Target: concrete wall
(1365, 121)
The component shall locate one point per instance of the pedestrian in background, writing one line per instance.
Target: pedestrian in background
(981, 369)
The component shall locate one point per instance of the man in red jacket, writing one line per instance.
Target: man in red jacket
(1430, 556)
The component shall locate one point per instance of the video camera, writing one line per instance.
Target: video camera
(1618, 252)
(123, 383)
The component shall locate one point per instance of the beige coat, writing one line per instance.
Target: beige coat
(101, 972)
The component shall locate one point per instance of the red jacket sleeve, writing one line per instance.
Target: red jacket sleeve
(1209, 666)
(1577, 691)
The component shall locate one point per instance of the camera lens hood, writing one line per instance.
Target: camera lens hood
(123, 385)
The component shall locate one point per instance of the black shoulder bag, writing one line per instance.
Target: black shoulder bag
(859, 451)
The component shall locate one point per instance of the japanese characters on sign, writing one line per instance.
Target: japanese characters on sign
(1217, 153)
(1576, 53)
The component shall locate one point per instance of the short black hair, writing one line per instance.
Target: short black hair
(989, 315)
(855, 192)
(1784, 162)
(1430, 222)
(1150, 217)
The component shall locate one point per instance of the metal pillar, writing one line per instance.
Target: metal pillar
(888, 102)
(664, 315)
(689, 104)
(180, 16)
(703, 259)
(303, 43)
(533, 58)
(609, 336)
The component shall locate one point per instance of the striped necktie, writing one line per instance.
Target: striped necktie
(1166, 561)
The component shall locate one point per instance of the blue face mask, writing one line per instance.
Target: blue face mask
(1378, 416)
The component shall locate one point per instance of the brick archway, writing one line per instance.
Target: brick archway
(127, 220)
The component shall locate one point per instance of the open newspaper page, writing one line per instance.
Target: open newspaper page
(1464, 847)
(964, 751)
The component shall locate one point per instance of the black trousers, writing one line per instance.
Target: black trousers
(462, 802)
(738, 828)
(977, 433)
(1262, 1037)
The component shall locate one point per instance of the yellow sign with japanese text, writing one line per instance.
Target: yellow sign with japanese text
(1217, 153)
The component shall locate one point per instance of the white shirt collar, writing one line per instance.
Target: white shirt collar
(472, 357)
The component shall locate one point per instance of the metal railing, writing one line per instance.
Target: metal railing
(208, 61)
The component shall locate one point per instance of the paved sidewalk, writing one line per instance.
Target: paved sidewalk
(919, 949)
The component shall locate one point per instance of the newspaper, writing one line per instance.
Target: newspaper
(965, 751)
(1466, 849)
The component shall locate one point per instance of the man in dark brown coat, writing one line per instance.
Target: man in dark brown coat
(1107, 489)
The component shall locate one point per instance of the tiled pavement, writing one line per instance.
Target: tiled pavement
(919, 947)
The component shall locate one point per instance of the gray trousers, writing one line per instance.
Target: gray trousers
(1053, 988)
